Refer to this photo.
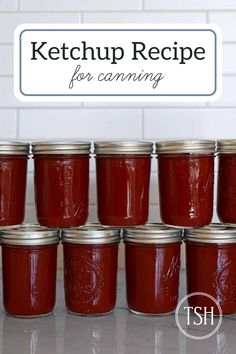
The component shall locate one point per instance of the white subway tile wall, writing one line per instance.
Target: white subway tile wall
(116, 120)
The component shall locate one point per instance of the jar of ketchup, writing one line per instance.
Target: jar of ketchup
(123, 177)
(210, 266)
(186, 180)
(152, 262)
(29, 263)
(226, 194)
(90, 269)
(61, 179)
(13, 171)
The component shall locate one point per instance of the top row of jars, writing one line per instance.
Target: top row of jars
(61, 177)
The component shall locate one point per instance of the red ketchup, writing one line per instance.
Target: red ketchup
(13, 171)
(61, 183)
(123, 177)
(90, 269)
(210, 265)
(152, 260)
(186, 181)
(226, 196)
(29, 263)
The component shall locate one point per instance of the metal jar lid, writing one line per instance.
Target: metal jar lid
(14, 148)
(153, 234)
(227, 146)
(60, 147)
(91, 234)
(30, 235)
(214, 233)
(123, 147)
(185, 146)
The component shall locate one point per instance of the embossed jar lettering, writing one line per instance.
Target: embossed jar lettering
(152, 257)
(90, 269)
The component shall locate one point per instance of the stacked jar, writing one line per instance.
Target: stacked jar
(90, 269)
(186, 182)
(123, 178)
(152, 258)
(210, 267)
(13, 171)
(226, 192)
(61, 176)
(29, 263)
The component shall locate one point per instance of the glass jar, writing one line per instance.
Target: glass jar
(90, 269)
(123, 177)
(13, 171)
(186, 181)
(152, 262)
(210, 266)
(29, 263)
(226, 193)
(61, 179)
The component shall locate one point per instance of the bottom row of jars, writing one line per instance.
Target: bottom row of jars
(152, 256)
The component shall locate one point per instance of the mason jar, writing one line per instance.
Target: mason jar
(90, 269)
(210, 267)
(13, 173)
(226, 192)
(186, 182)
(61, 178)
(152, 263)
(29, 264)
(123, 178)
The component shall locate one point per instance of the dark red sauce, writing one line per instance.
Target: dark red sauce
(90, 275)
(211, 269)
(123, 189)
(152, 277)
(186, 189)
(29, 279)
(61, 189)
(13, 170)
(226, 202)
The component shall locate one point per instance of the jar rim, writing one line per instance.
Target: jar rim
(123, 147)
(185, 146)
(213, 233)
(226, 146)
(152, 233)
(60, 147)
(91, 233)
(14, 148)
(29, 235)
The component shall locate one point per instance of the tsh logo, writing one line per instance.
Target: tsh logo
(190, 315)
(203, 315)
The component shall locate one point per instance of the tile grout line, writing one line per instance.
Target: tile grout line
(17, 5)
(17, 123)
(142, 123)
(148, 106)
(143, 5)
(136, 10)
(82, 17)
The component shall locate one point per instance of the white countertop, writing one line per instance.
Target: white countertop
(119, 332)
